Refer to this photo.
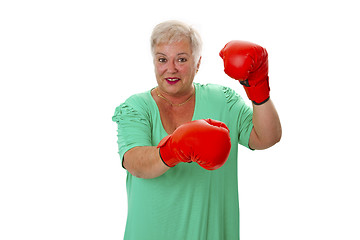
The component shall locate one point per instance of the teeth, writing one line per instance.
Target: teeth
(172, 79)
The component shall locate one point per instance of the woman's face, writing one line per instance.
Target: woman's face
(175, 67)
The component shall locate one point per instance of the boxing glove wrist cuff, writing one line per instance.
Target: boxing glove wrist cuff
(165, 152)
(163, 159)
(260, 93)
(260, 103)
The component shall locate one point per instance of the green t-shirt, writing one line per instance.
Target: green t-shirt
(187, 202)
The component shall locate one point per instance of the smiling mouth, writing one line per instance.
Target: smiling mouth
(172, 80)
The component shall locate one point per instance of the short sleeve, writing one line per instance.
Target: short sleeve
(134, 127)
(243, 113)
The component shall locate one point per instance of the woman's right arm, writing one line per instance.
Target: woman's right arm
(138, 156)
(144, 162)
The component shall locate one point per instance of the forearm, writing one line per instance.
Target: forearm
(267, 128)
(144, 162)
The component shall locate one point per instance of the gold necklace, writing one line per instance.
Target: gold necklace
(173, 104)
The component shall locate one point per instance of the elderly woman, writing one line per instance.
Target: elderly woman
(179, 141)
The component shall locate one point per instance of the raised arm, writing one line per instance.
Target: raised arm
(248, 63)
(267, 128)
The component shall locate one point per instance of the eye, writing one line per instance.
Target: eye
(182, 60)
(161, 59)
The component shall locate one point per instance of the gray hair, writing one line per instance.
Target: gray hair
(174, 31)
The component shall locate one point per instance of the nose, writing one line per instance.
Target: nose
(172, 68)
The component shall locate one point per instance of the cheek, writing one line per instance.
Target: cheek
(159, 69)
(187, 70)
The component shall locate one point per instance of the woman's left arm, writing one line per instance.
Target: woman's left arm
(248, 63)
(267, 127)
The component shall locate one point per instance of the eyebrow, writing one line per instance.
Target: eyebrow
(176, 54)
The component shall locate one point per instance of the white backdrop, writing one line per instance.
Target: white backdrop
(65, 66)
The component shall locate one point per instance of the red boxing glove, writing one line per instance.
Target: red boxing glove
(206, 142)
(248, 63)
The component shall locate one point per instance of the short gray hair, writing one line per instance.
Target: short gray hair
(174, 31)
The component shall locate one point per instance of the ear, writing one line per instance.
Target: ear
(198, 64)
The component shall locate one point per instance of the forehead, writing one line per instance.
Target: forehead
(182, 46)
